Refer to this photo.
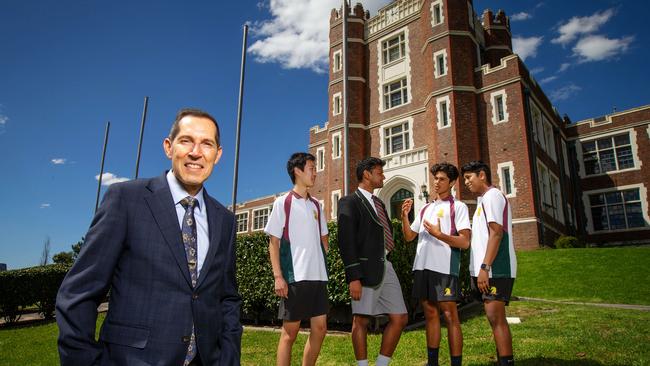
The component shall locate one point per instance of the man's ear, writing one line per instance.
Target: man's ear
(167, 146)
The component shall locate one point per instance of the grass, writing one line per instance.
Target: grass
(550, 334)
(604, 275)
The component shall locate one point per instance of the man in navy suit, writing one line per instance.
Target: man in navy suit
(165, 249)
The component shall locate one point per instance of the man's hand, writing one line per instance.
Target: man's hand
(406, 207)
(281, 287)
(355, 290)
(433, 229)
(483, 281)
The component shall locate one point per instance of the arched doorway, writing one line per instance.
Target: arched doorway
(396, 201)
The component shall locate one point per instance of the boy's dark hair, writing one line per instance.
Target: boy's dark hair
(477, 166)
(449, 169)
(368, 164)
(298, 160)
(194, 113)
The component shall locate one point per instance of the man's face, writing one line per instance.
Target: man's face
(375, 176)
(473, 182)
(194, 152)
(306, 177)
(441, 183)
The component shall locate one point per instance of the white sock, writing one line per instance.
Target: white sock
(362, 362)
(382, 360)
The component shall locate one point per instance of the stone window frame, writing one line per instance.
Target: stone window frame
(633, 143)
(436, 69)
(237, 219)
(320, 158)
(493, 101)
(335, 196)
(337, 61)
(511, 172)
(337, 104)
(439, 116)
(409, 140)
(254, 223)
(643, 197)
(440, 5)
(386, 47)
(403, 90)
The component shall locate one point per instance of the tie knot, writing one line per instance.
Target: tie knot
(376, 199)
(188, 202)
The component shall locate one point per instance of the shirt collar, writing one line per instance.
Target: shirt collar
(366, 194)
(178, 192)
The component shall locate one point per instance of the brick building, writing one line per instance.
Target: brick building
(430, 81)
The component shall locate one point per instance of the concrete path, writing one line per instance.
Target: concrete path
(611, 306)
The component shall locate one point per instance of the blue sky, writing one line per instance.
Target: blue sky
(67, 67)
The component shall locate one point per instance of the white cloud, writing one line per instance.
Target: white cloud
(576, 26)
(110, 178)
(297, 35)
(45, 205)
(58, 161)
(598, 48)
(565, 92)
(564, 67)
(548, 79)
(520, 16)
(537, 70)
(3, 119)
(526, 47)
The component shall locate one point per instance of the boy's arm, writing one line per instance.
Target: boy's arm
(281, 287)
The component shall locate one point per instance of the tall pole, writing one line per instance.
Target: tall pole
(101, 169)
(239, 108)
(346, 155)
(144, 118)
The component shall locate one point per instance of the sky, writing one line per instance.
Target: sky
(68, 67)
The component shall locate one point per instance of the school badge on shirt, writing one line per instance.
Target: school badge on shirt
(441, 213)
(315, 215)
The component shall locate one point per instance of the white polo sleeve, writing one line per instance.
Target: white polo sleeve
(494, 203)
(323, 222)
(275, 225)
(462, 216)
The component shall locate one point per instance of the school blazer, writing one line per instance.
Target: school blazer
(361, 240)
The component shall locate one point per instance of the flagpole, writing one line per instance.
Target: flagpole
(101, 169)
(144, 118)
(239, 109)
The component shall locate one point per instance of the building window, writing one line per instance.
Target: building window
(608, 154)
(337, 61)
(393, 48)
(440, 62)
(437, 15)
(336, 196)
(617, 210)
(565, 156)
(395, 94)
(336, 104)
(444, 112)
(545, 189)
(336, 145)
(556, 198)
(260, 218)
(242, 222)
(396, 138)
(550, 140)
(506, 172)
(499, 107)
(320, 159)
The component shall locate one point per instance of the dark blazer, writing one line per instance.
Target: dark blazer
(361, 240)
(134, 248)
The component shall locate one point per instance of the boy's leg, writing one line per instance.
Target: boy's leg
(359, 336)
(318, 325)
(454, 332)
(287, 338)
(432, 317)
(495, 311)
(392, 333)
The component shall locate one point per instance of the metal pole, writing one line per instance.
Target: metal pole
(346, 156)
(239, 108)
(144, 118)
(101, 169)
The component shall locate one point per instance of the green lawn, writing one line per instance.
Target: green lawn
(550, 334)
(609, 275)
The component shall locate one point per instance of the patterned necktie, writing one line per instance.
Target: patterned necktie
(188, 231)
(381, 213)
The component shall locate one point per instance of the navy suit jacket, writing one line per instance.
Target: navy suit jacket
(134, 248)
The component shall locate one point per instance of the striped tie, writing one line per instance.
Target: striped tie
(381, 213)
(188, 231)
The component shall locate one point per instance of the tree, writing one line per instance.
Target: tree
(45, 255)
(71, 256)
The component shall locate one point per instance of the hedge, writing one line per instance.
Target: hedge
(255, 277)
(564, 242)
(30, 286)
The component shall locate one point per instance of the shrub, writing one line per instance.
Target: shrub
(564, 242)
(30, 286)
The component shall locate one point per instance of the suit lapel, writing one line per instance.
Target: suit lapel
(214, 231)
(366, 204)
(162, 208)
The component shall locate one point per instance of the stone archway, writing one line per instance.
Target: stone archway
(395, 191)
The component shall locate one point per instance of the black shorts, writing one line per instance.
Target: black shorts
(305, 300)
(435, 286)
(500, 289)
